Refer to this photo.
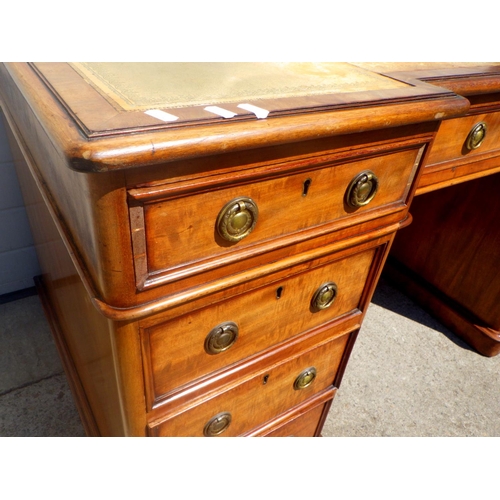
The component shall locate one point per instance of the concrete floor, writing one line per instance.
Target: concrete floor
(407, 376)
(35, 399)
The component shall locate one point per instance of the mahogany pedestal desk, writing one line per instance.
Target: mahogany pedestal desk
(210, 236)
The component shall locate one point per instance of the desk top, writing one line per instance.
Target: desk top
(108, 116)
(143, 86)
(108, 99)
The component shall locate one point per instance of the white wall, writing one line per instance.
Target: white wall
(18, 262)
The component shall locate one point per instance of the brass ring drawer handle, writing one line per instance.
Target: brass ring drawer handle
(305, 379)
(217, 424)
(221, 337)
(237, 219)
(362, 189)
(324, 296)
(476, 136)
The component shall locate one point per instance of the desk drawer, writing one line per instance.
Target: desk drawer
(460, 138)
(193, 231)
(194, 345)
(261, 398)
(303, 426)
(302, 421)
(464, 149)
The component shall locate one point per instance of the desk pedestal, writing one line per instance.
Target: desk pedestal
(448, 259)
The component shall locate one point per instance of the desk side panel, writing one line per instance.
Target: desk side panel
(97, 353)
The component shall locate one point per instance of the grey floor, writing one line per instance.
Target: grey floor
(407, 376)
(35, 399)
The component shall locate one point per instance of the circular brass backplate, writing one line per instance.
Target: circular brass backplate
(305, 379)
(217, 424)
(237, 219)
(476, 136)
(362, 189)
(324, 296)
(221, 337)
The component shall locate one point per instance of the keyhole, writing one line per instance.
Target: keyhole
(279, 292)
(265, 379)
(306, 186)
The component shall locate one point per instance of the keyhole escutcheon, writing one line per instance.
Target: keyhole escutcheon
(306, 186)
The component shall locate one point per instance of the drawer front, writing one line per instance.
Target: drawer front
(194, 345)
(260, 398)
(302, 426)
(452, 139)
(192, 233)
